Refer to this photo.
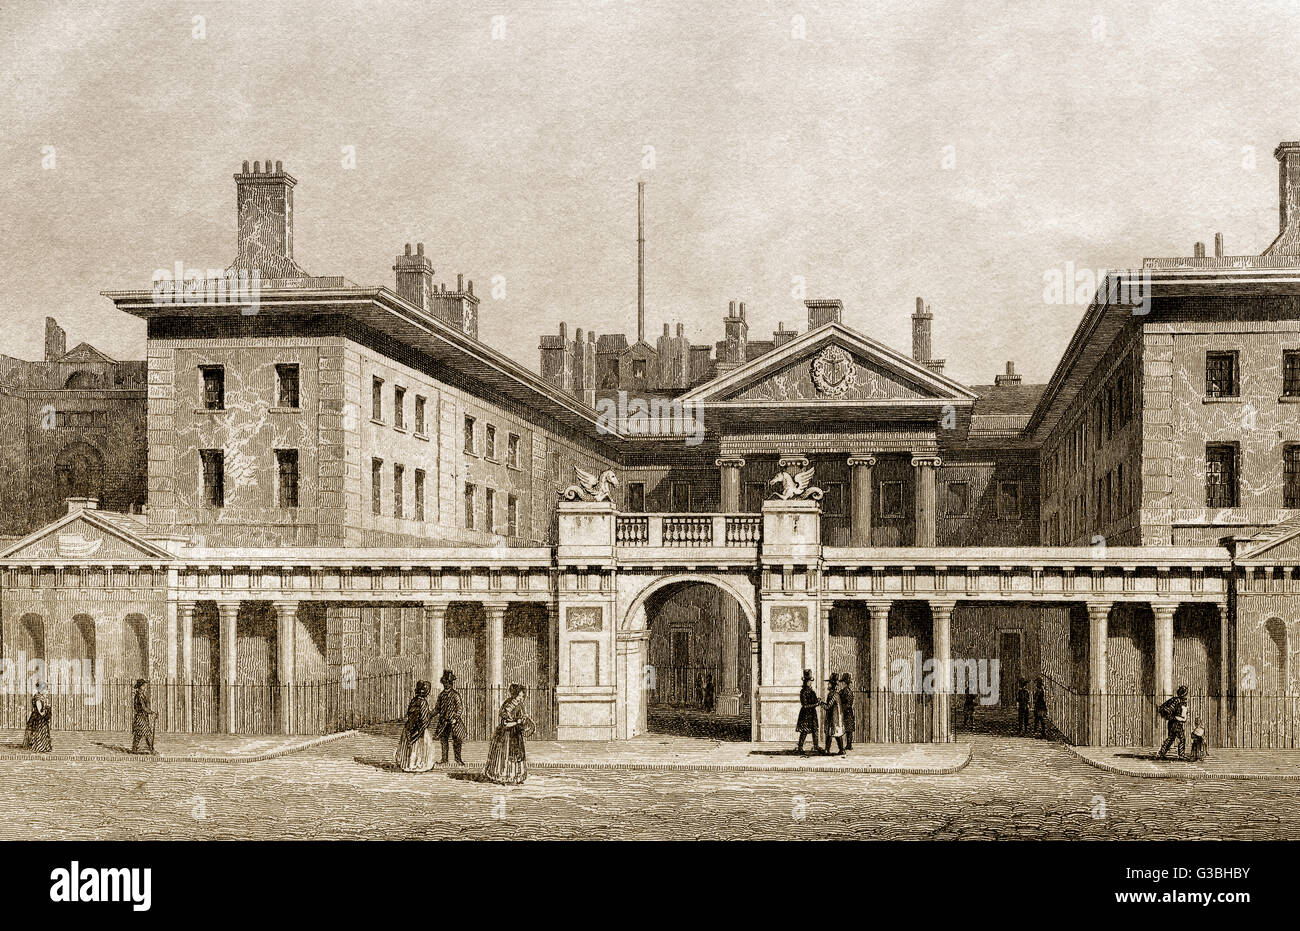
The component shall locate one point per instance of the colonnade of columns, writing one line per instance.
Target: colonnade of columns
(181, 655)
(861, 492)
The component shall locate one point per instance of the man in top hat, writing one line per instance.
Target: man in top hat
(846, 707)
(807, 723)
(834, 714)
(447, 713)
(142, 721)
(1175, 712)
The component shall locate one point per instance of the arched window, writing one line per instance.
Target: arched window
(81, 379)
(31, 645)
(135, 647)
(79, 471)
(1277, 654)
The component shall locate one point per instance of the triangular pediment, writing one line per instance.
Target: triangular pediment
(831, 364)
(84, 353)
(1279, 544)
(83, 535)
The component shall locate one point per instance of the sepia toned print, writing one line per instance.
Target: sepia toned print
(535, 452)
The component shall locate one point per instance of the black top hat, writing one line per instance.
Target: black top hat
(834, 678)
(1182, 691)
(448, 677)
(139, 683)
(807, 675)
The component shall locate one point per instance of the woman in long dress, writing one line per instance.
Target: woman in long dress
(37, 735)
(415, 746)
(506, 761)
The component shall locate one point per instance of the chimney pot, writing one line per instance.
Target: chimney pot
(591, 336)
(681, 329)
(564, 330)
(731, 308)
(577, 334)
(279, 168)
(470, 286)
(257, 168)
(666, 329)
(245, 168)
(460, 282)
(419, 248)
(1198, 250)
(408, 249)
(1218, 245)
(1011, 367)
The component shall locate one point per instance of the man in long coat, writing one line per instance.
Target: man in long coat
(808, 704)
(846, 708)
(448, 713)
(142, 720)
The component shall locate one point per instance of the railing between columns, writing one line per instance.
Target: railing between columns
(688, 530)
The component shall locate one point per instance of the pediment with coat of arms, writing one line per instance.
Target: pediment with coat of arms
(832, 363)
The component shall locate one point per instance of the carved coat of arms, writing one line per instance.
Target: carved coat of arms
(833, 372)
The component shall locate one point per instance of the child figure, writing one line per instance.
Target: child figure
(1198, 742)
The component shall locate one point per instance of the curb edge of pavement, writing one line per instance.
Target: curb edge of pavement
(1175, 774)
(249, 758)
(755, 767)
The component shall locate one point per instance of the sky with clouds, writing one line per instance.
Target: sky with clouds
(874, 151)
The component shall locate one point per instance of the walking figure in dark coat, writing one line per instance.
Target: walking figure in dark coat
(1040, 708)
(807, 723)
(846, 707)
(448, 713)
(834, 714)
(968, 710)
(1022, 706)
(37, 735)
(142, 720)
(1175, 712)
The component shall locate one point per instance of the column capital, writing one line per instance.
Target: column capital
(1162, 609)
(229, 608)
(289, 605)
(1099, 609)
(729, 462)
(879, 608)
(926, 459)
(793, 461)
(942, 609)
(436, 607)
(186, 605)
(866, 460)
(496, 608)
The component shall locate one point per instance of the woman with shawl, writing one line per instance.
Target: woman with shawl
(415, 746)
(37, 735)
(506, 763)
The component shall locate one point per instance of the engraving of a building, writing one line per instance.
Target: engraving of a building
(345, 484)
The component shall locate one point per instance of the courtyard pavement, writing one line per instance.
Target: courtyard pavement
(72, 746)
(1222, 764)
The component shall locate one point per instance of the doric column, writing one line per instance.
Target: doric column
(860, 499)
(286, 616)
(185, 619)
(1164, 617)
(496, 617)
(228, 611)
(170, 645)
(924, 468)
(435, 632)
(753, 685)
(879, 670)
(1098, 624)
(729, 484)
(941, 613)
(1224, 684)
(728, 694)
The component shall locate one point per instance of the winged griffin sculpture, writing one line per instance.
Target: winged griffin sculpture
(796, 486)
(590, 488)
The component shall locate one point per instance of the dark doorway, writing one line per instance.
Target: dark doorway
(1009, 671)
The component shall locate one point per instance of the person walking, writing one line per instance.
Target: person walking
(415, 745)
(807, 721)
(143, 719)
(846, 707)
(447, 711)
(1040, 708)
(1175, 712)
(37, 735)
(968, 710)
(1022, 707)
(834, 715)
(507, 762)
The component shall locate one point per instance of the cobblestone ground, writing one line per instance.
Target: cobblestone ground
(1013, 788)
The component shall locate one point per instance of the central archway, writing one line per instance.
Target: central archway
(688, 650)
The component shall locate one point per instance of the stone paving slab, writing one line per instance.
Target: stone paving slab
(100, 746)
(1222, 764)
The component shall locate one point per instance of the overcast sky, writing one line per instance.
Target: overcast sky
(954, 151)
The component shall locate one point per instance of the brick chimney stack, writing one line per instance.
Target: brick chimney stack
(56, 341)
(264, 203)
(736, 330)
(824, 311)
(921, 321)
(1288, 173)
(1010, 379)
(415, 277)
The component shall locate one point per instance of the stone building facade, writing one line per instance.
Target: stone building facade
(345, 481)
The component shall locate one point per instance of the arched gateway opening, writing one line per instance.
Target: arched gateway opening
(698, 659)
